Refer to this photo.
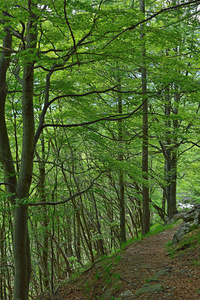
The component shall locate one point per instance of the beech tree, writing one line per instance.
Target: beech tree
(29, 27)
(18, 186)
(58, 111)
(145, 150)
(178, 86)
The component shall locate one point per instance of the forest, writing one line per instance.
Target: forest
(99, 130)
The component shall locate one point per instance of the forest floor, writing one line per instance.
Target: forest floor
(145, 269)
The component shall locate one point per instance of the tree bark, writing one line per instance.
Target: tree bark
(121, 172)
(145, 168)
(171, 153)
(45, 212)
(98, 224)
(22, 257)
(172, 209)
(5, 151)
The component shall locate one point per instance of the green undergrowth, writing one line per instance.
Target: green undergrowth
(157, 227)
(107, 261)
(189, 242)
(154, 229)
(187, 249)
(98, 277)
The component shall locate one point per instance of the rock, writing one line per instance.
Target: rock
(192, 214)
(149, 289)
(126, 294)
(183, 229)
(107, 294)
(168, 294)
(191, 220)
(175, 218)
(163, 272)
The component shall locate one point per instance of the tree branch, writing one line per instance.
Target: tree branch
(151, 17)
(110, 118)
(7, 183)
(70, 29)
(70, 198)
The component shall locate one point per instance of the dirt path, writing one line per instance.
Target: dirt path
(143, 271)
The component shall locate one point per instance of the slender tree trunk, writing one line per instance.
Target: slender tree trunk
(121, 172)
(100, 240)
(167, 147)
(5, 151)
(173, 172)
(45, 213)
(21, 253)
(171, 153)
(172, 205)
(145, 193)
(22, 257)
(18, 191)
(77, 238)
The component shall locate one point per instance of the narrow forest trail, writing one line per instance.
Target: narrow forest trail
(142, 271)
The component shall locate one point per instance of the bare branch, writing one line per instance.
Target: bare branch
(70, 29)
(8, 50)
(84, 94)
(109, 118)
(70, 198)
(150, 18)
(6, 183)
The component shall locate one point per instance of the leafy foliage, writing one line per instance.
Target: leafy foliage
(86, 57)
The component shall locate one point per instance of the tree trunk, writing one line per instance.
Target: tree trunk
(44, 212)
(5, 151)
(22, 257)
(98, 224)
(172, 204)
(20, 194)
(172, 209)
(167, 147)
(121, 172)
(145, 192)
(171, 154)
(21, 251)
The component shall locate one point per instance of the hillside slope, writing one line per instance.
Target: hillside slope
(144, 270)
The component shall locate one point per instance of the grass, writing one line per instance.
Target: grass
(154, 229)
(105, 275)
(170, 249)
(189, 242)
(157, 227)
(106, 262)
